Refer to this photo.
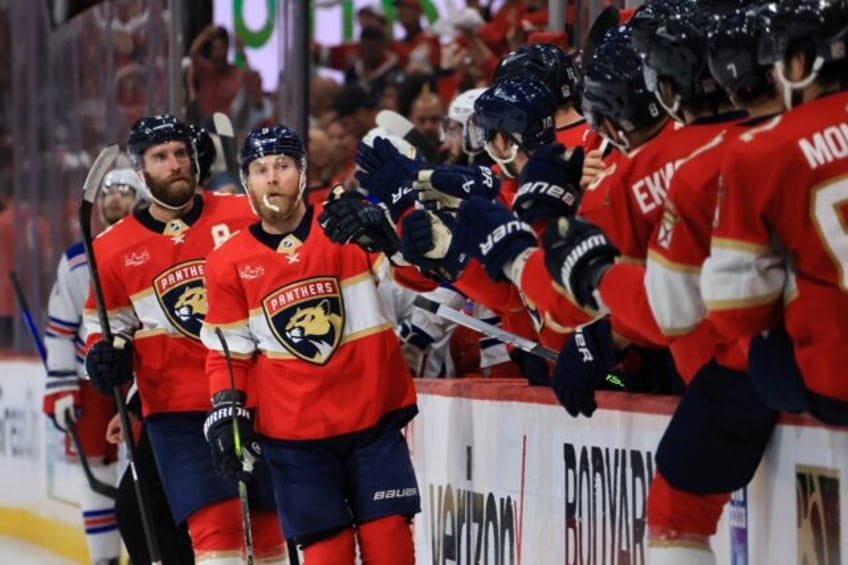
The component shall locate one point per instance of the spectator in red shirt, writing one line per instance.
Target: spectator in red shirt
(216, 80)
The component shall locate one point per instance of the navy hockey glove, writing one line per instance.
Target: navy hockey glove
(446, 186)
(427, 243)
(549, 184)
(492, 234)
(577, 254)
(221, 435)
(532, 366)
(349, 218)
(110, 364)
(387, 174)
(584, 365)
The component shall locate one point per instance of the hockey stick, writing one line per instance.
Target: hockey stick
(604, 22)
(398, 125)
(92, 184)
(94, 483)
(242, 487)
(488, 329)
(224, 129)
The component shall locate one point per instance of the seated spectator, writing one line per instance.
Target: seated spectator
(322, 91)
(426, 113)
(357, 109)
(419, 48)
(318, 172)
(343, 148)
(373, 66)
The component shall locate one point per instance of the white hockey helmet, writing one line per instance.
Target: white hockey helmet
(127, 177)
(460, 110)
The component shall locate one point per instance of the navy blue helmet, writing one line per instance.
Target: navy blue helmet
(823, 23)
(153, 130)
(274, 140)
(546, 62)
(650, 16)
(521, 107)
(614, 86)
(733, 44)
(676, 53)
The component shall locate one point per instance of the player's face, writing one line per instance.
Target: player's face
(116, 201)
(169, 174)
(273, 183)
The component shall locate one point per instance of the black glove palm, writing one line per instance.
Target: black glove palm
(109, 366)
(351, 218)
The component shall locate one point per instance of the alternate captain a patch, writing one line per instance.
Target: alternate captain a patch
(182, 294)
(307, 317)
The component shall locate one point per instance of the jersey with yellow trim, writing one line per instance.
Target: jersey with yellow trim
(152, 274)
(677, 251)
(781, 232)
(304, 322)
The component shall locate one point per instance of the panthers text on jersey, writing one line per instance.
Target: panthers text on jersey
(303, 321)
(152, 274)
(779, 238)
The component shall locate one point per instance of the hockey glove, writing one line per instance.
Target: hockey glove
(532, 366)
(349, 218)
(548, 185)
(492, 234)
(586, 364)
(446, 186)
(577, 254)
(62, 400)
(110, 364)
(427, 243)
(387, 174)
(225, 437)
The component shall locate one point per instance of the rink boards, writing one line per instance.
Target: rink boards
(506, 477)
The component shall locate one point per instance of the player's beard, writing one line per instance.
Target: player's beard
(176, 191)
(276, 210)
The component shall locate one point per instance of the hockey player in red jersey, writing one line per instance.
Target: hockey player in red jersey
(778, 254)
(302, 319)
(67, 396)
(151, 267)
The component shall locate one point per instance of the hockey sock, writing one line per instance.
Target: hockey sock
(338, 549)
(218, 538)
(386, 541)
(98, 515)
(677, 514)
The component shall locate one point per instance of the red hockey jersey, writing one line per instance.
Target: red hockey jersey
(153, 286)
(779, 236)
(304, 323)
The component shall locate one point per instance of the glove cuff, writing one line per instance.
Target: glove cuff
(227, 397)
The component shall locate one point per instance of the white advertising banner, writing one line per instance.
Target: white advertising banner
(507, 477)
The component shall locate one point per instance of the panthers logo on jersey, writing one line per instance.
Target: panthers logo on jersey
(307, 317)
(182, 295)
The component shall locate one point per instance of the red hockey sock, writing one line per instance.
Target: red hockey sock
(217, 530)
(674, 512)
(337, 550)
(386, 541)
